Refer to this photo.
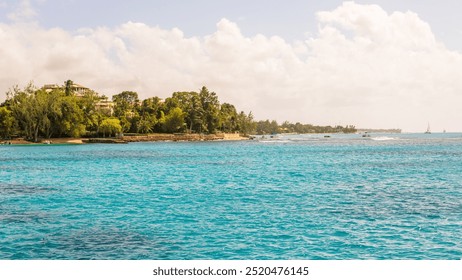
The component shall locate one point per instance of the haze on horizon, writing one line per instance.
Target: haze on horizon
(371, 65)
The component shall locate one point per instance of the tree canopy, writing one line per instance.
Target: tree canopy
(36, 113)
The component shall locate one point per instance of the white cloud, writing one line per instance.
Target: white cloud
(23, 12)
(364, 67)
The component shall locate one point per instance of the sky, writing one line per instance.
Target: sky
(372, 64)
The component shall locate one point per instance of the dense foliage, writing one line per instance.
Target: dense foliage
(60, 112)
(272, 127)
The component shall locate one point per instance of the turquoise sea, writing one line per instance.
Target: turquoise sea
(396, 196)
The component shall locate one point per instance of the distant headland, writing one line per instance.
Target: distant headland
(74, 111)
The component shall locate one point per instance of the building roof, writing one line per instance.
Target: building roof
(74, 85)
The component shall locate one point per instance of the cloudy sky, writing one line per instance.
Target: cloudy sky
(374, 64)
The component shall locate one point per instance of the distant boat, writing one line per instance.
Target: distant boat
(366, 134)
(428, 130)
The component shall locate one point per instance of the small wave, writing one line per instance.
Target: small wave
(19, 189)
(275, 141)
(383, 138)
(104, 244)
(23, 217)
(304, 139)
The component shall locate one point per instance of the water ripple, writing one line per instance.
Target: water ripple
(340, 198)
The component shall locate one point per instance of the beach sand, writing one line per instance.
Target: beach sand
(20, 141)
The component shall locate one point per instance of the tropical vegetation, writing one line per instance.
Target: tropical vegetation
(38, 113)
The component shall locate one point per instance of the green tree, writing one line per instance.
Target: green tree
(287, 127)
(146, 123)
(6, 122)
(72, 118)
(228, 116)
(125, 102)
(349, 129)
(190, 103)
(87, 103)
(149, 111)
(46, 114)
(211, 107)
(68, 87)
(126, 109)
(245, 123)
(159, 127)
(29, 107)
(52, 103)
(267, 127)
(110, 126)
(150, 106)
(174, 121)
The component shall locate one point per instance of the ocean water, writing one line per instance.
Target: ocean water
(289, 197)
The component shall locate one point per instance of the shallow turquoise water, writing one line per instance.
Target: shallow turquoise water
(294, 197)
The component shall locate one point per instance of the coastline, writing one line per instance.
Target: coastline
(58, 141)
(159, 137)
(179, 137)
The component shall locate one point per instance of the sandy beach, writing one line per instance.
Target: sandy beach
(21, 141)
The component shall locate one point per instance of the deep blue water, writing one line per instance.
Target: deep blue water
(293, 197)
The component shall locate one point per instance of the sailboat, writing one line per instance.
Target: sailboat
(428, 129)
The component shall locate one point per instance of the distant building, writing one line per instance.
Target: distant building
(80, 91)
(77, 89)
(49, 88)
(105, 105)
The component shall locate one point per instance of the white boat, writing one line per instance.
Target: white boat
(428, 129)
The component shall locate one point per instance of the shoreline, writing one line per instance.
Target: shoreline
(60, 141)
(184, 137)
(159, 137)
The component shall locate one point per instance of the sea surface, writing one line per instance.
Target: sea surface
(388, 196)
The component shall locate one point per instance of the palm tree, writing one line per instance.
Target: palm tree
(68, 87)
